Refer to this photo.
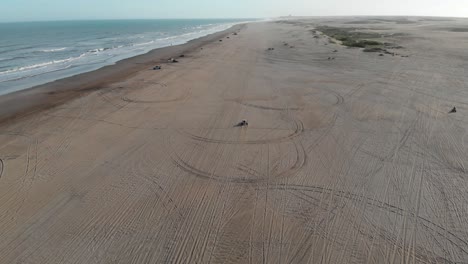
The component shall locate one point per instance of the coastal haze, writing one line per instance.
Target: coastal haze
(350, 154)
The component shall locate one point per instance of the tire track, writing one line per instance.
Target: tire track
(451, 237)
(262, 107)
(338, 97)
(104, 96)
(2, 166)
(30, 142)
(298, 164)
(298, 130)
(129, 100)
(119, 93)
(69, 129)
(184, 96)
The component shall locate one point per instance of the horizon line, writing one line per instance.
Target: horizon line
(194, 18)
(110, 19)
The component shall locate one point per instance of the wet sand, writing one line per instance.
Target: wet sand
(350, 160)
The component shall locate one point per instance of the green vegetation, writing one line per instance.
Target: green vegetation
(351, 37)
(373, 49)
(458, 29)
(360, 43)
(397, 21)
(347, 33)
(370, 21)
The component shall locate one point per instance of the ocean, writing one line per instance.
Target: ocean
(33, 53)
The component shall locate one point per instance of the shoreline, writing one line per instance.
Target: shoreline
(24, 102)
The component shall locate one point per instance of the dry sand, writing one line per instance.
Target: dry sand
(352, 160)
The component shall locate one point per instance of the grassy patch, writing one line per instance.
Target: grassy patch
(397, 21)
(350, 37)
(458, 29)
(373, 49)
(344, 34)
(370, 21)
(435, 19)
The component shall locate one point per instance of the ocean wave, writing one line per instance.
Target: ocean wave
(40, 65)
(10, 59)
(53, 62)
(98, 50)
(54, 50)
(17, 49)
(8, 46)
(34, 75)
(144, 43)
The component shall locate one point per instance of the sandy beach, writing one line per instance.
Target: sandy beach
(349, 156)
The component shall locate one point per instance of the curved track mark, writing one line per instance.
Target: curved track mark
(298, 130)
(270, 108)
(298, 164)
(339, 98)
(129, 100)
(2, 165)
(161, 85)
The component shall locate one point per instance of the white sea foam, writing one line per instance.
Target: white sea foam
(54, 50)
(40, 65)
(144, 43)
(96, 50)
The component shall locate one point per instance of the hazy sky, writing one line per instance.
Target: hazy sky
(33, 10)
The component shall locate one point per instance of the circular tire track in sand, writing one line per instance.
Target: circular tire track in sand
(128, 100)
(239, 172)
(268, 107)
(1, 168)
(297, 131)
(337, 98)
(114, 95)
(145, 101)
(299, 162)
(106, 95)
(21, 145)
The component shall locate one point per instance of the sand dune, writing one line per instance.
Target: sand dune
(351, 160)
